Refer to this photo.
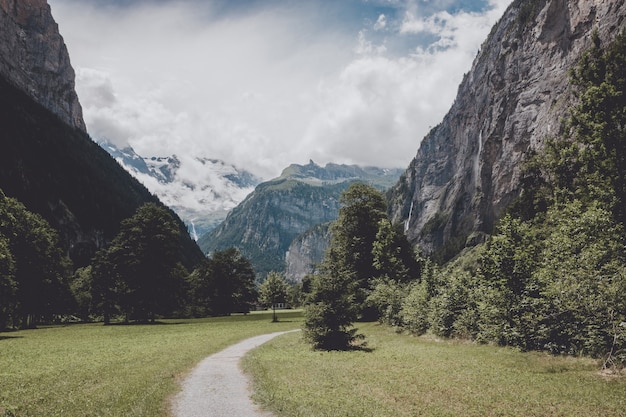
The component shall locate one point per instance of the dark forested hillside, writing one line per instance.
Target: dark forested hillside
(59, 172)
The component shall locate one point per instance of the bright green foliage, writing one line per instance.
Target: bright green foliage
(140, 273)
(222, 285)
(582, 277)
(553, 276)
(273, 291)
(80, 286)
(386, 297)
(38, 289)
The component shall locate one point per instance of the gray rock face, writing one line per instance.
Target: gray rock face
(306, 252)
(517, 94)
(34, 58)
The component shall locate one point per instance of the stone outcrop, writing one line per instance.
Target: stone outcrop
(34, 58)
(516, 94)
(306, 252)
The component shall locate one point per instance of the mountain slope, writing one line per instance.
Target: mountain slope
(467, 169)
(48, 161)
(264, 225)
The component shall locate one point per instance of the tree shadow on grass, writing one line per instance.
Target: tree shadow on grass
(144, 323)
(10, 337)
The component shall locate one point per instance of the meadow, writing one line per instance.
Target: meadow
(118, 370)
(401, 375)
(134, 370)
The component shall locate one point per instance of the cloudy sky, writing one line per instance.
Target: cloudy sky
(266, 83)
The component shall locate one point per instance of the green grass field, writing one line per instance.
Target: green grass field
(127, 371)
(96, 370)
(408, 376)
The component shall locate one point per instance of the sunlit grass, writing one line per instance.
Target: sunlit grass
(408, 376)
(96, 370)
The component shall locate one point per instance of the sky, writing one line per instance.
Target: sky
(263, 84)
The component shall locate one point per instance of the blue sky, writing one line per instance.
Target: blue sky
(266, 83)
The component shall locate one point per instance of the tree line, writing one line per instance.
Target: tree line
(553, 275)
(139, 277)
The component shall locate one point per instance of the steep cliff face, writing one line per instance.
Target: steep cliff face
(306, 252)
(517, 94)
(34, 58)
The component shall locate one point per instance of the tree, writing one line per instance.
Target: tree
(141, 271)
(354, 234)
(273, 291)
(40, 266)
(331, 308)
(223, 284)
(339, 292)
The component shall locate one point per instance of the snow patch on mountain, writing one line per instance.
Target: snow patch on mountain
(200, 190)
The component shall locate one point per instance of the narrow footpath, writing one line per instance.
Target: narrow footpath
(217, 387)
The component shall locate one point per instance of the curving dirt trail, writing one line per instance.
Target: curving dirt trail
(217, 387)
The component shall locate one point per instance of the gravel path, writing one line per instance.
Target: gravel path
(217, 387)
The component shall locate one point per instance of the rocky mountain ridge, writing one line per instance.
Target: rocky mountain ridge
(34, 58)
(266, 223)
(517, 94)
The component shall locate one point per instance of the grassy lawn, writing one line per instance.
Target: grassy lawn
(95, 370)
(408, 376)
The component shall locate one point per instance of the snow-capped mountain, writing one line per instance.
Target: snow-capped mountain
(200, 190)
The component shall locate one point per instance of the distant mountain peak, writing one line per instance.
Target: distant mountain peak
(200, 190)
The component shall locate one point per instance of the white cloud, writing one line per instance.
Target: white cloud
(381, 22)
(268, 87)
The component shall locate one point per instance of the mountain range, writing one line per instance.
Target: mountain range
(264, 226)
(200, 190)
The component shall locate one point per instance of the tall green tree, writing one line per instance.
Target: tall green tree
(331, 307)
(141, 271)
(346, 278)
(223, 284)
(272, 292)
(354, 235)
(41, 268)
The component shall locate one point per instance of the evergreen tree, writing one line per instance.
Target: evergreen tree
(338, 295)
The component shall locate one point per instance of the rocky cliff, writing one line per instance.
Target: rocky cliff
(306, 252)
(34, 58)
(516, 94)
